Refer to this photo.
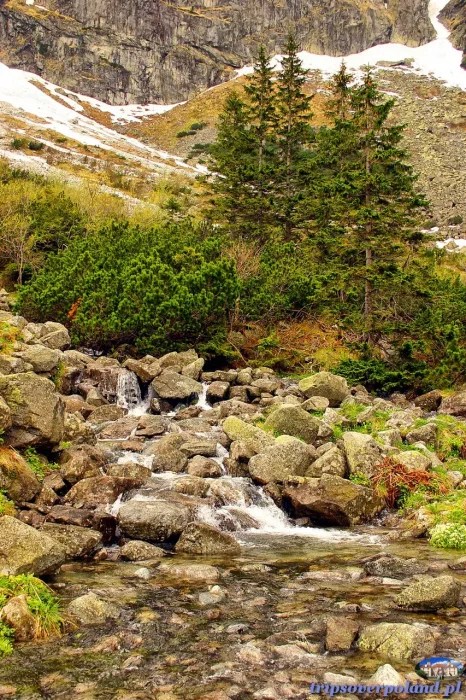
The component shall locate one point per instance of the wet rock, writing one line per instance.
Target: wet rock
(330, 386)
(293, 654)
(89, 609)
(288, 457)
(119, 429)
(148, 426)
(333, 461)
(167, 455)
(189, 572)
(137, 550)
(386, 675)
(98, 491)
(213, 596)
(199, 446)
(391, 566)
(294, 421)
(16, 614)
(37, 410)
(429, 593)
(175, 387)
(362, 453)
(155, 521)
(203, 467)
(341, 633)
(17, 479)
(218, 391)
(253, 437)
(200, 538)
(398, 641)
(331, 500)
(77, 542)
(458, 565)
(24, 550)
(191, 486)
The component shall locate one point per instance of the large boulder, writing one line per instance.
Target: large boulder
(454, 405)
(77, 542)
(250, 435)
(54, 336)
(398, 641)
(145, 369)
(333, 461)
(41, 358)
(362, 453)
(24, 550)
(175, 387)
(413, 461)
(136, 550)
(331, 500)
(331, 386)
(430, 594)
(37, 410)
(16, 477)
(157, 520)
(200, 538)
(294, 421)
(287, 458)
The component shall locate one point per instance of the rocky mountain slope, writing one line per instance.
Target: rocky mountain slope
(147, 50)
(454, 16)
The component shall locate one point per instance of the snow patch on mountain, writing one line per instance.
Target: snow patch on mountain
(438, 58)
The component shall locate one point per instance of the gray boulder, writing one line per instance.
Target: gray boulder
(250, 435)
(24, 550)
(200, 538)
(287, 458)
(430, 594)
(77, 542)
(157, 520)
(397, 641)
(333, 461)
(389, 566)
(37, 410)
(362, 453)
(89, 609)
(42, 359)
(136, 550)
(331, 386)
(294, 421)
(175, 387)
(331, 500)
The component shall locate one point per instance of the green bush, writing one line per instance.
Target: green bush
(163, 289)
(41, 601)
(6, 639)
(381, 377)
(448, 536)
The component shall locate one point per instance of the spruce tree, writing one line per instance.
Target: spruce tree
(294, 134)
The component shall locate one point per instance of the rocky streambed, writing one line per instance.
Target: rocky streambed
(218, 534)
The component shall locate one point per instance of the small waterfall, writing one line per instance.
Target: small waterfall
(128, 390)
(202, 400)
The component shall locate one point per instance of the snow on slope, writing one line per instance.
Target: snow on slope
(438, 58)
(21, 94)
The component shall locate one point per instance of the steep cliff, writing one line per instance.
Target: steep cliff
(165, 51)
(454, 16)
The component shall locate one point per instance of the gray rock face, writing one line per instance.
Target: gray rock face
(454, 16)
(24, 550)
(394, 567)
(429, 593)
(149, 51)
(155, 521)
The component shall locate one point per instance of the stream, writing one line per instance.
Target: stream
(243, 627)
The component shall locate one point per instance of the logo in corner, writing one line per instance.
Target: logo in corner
(440, 667)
